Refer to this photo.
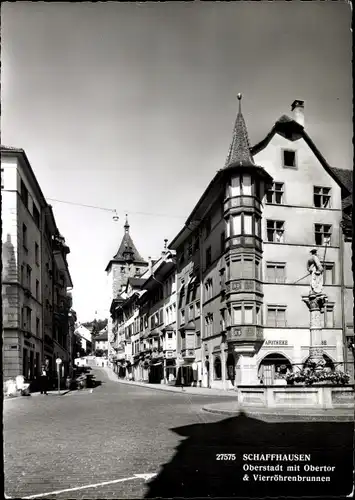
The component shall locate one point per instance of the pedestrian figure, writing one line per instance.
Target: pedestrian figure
(44, 380)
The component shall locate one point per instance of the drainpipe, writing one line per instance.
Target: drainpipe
(202, 322)
(342, 298)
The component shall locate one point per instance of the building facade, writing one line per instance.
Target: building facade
(27, 294)
(242, 255)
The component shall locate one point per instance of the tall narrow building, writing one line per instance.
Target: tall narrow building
(126, 263)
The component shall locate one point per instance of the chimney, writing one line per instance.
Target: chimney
(165, 248)
(297, 109)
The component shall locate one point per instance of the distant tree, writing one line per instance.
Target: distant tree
(96, 326)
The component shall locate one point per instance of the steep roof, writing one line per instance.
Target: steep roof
(135, 282)
(127, 245)
(239, 151)
(342, 176)
(102, 337)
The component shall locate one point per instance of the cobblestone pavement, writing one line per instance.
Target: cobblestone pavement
(119, 430)
(81, 438)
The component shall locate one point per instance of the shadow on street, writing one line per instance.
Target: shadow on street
(195, 470)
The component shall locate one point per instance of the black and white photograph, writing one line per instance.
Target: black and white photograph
(176, 220)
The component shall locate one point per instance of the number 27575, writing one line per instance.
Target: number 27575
(225, 456)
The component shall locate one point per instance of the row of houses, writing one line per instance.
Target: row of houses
(223, 304)
(37, 316)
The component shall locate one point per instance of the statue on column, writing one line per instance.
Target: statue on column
(315, 268)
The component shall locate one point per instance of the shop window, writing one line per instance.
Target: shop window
(217, 365)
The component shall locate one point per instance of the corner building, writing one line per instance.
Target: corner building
(241, 260)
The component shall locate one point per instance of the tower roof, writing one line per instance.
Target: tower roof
(239, 151)
(127, 245)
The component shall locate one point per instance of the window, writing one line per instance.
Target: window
(258, 315)
(289, 158)
(223, 320)
(276, 316)
(37, 289)
(2, 178)
(248, 314)
(207, 226)
(22, 278)
(24, 235)
(248, 268)
(237, 315)
(36, 215)
(275, 193)
(137, 270)
(37, 327)
(228, 230)
(122, 269)
(197, 243)
(29, 276)
(235, 186)
(328, 273)
(208, 256)
(28, 319)
(236, 225)
(37, 253)
(209, 324)
(209, 288)
(197, 309)
(257, 225)
(275, 272)
(321, 197)
(257, 270)
(182, 316)
(322, 233)
(217, 368)
(248, 224)
(246, 185)
(275, 231)
(24, 194)
(329, 316)
(223, 242)
(191, 311)
(198, 340)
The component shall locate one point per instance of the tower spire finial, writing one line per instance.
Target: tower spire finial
(126, 226)
(239, 97)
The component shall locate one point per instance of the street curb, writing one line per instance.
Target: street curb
(178, 391)
(281, 415)
(157, 387)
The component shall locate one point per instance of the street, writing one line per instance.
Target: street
(117, 432)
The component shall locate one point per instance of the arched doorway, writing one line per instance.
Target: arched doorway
(230, 363)
(273, 367)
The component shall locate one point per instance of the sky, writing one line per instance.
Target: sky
(131, 107)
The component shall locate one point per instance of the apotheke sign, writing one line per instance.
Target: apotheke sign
(276, 342)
